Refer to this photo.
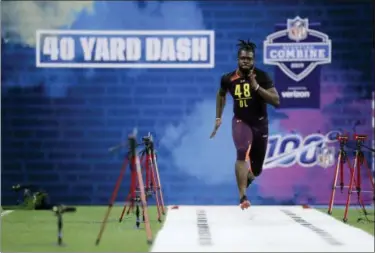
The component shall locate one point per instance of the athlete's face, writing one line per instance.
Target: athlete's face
(245, 60)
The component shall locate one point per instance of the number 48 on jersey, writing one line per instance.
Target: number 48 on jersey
(242, 93)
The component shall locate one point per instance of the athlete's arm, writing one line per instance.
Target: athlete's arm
(271, 96)
(267, 90)
(220, 103)
(221, 98)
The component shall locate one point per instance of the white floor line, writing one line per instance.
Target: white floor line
(169, 208)
(6, 212)
(258, 229)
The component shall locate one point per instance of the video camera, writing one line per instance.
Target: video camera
(147, 140)
(360, 138)
(32, 197)
(60, 209)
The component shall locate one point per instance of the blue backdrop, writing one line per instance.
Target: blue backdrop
(57, 123)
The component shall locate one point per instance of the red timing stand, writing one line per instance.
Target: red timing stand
(341, 161)
(139, 190)
(354, 172)
(152, 183)
(359, 161)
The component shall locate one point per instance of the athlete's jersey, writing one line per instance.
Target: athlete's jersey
(249, 106)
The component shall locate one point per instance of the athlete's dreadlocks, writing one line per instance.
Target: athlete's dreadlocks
(246, 45)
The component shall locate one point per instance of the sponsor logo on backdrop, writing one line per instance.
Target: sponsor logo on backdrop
(125, 49)
(306, 151)
(297, 49)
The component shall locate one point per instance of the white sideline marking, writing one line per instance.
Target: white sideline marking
(6, 212)
(259, 229)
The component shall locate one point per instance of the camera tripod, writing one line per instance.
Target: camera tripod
(139, 196)
(152, 183)
(341, 161)
(359, 161)
(354, 172)
(59, 211)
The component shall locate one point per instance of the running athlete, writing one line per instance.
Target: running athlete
(252, 89)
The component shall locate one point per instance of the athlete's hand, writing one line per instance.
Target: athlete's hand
(217, 125)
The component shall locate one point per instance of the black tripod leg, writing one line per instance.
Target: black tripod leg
(59, 229)
(137, 212)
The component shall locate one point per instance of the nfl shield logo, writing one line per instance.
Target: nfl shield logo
(326, 156)
(297, 28)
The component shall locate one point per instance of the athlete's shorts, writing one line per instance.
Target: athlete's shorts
(251, 143)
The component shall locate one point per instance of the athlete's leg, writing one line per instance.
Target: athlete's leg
(242, 137)
(257, 152)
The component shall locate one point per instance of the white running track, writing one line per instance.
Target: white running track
(257, 229)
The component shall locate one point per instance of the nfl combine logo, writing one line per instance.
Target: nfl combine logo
(297, 50)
